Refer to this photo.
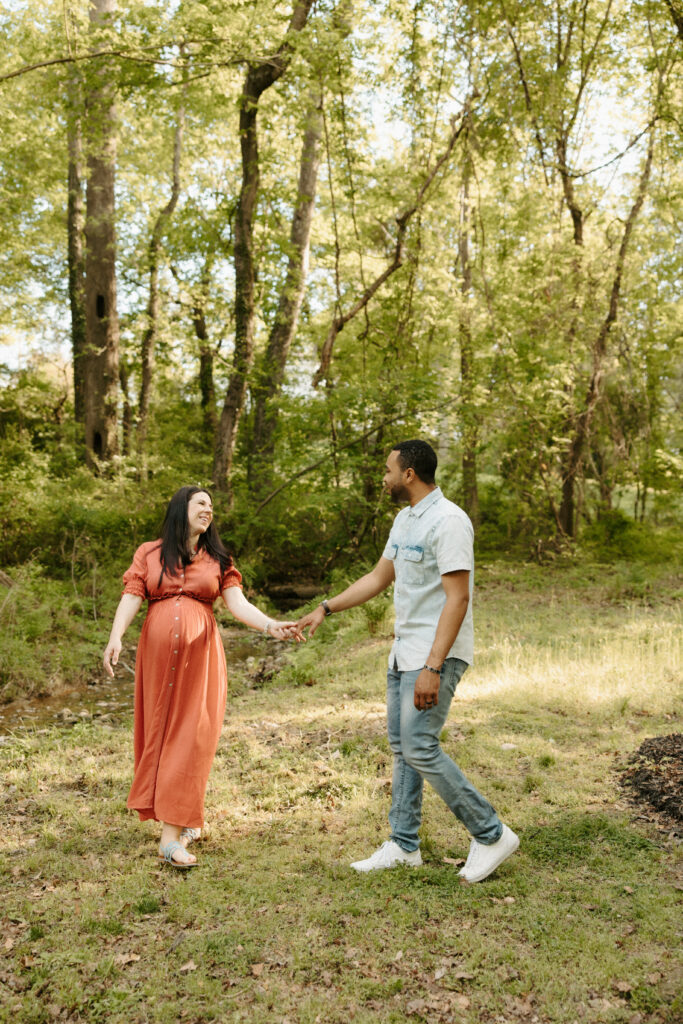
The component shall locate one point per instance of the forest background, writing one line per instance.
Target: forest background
(251, 245)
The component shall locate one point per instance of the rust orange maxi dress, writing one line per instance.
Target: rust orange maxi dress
(180, 685)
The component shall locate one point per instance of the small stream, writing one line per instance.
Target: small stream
(111, 699)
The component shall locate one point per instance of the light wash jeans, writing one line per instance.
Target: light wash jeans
(414, 740)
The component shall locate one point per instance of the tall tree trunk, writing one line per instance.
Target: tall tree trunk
(574, 453)
(272, 371)
(149, 338)
(75, 220)
(101, 360)
(468, 412)
(260, 76)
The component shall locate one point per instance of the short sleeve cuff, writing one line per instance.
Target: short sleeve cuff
(231, 578)
(136, 587)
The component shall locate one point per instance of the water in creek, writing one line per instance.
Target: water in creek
(110, 699)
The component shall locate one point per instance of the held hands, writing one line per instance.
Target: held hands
(285, 631)
(426, 690)
(111, 655)
(312, 620)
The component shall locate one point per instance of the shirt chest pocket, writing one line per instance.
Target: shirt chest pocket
(412, 563)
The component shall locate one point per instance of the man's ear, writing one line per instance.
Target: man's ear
(410, 473)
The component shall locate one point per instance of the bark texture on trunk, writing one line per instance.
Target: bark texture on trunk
(272, 371)
(260, 76)
(101, 359)
(75, 220)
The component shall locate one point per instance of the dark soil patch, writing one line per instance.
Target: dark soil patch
(654, 775)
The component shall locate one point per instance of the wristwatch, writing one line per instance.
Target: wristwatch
(325, 607)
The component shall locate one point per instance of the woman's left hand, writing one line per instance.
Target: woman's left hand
(285, 631)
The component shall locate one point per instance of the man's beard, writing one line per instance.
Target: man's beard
(398, 494)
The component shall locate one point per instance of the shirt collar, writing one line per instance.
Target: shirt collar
(426, 503)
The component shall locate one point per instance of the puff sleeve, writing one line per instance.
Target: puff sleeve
(232, 577)
(135, 578)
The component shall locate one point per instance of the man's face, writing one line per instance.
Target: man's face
(395, 479)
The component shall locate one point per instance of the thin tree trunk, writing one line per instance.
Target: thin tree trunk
(127, 419)
(75, 220)
(583, 423)
(272, 370)
(101, 359)
(468, 413)
(149, 338)
(206, 382)
(260, 76)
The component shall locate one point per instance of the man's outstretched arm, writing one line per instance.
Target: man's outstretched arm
(365, 588)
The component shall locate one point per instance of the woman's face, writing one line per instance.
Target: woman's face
(199, 513)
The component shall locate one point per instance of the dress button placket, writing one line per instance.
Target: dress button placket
(176, 636)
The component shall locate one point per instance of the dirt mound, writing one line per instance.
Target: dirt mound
(654, 774)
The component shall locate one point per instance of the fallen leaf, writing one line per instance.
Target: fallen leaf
(654, 978)
(9, 943)
(189, 966)
(257, 970)
(123, 959)
(628, 888)
(439, 973)
(416, 1006)
(462, 1002)
(623, 986)
(455, 861)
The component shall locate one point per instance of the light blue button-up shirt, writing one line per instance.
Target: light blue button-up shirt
(427, 540)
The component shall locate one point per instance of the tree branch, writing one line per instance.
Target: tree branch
(402, 220)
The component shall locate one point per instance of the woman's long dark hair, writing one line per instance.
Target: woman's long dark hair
(175, 535)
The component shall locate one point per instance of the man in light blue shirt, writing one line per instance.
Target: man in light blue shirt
(429, 558)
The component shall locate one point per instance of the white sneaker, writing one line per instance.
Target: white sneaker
(483, 860)
(388, 856)
(470, 855)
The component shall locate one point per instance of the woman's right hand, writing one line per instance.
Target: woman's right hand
(285, 631)
(111, 655)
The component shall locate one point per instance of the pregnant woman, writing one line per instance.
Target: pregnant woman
(180, 671)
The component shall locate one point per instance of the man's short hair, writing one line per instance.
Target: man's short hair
(418, 456)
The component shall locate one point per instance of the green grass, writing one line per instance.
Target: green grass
(582, 925)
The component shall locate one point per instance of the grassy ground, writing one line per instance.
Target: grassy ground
(575, 668)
